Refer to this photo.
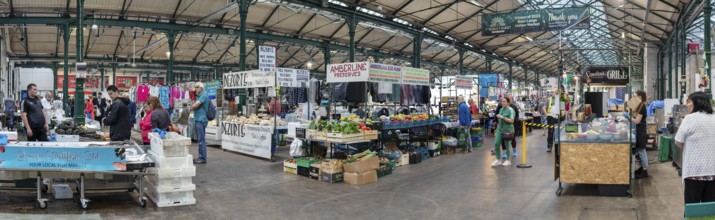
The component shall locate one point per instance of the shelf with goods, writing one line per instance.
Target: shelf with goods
(256, 134)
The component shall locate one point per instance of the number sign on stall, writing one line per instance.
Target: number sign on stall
(248, 139)
(385, 73)
(414, 76)
(463, 82)
(249, 79)
(61, 158)
(348, 72)
(267, 58)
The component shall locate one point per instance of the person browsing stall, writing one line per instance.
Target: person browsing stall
(33, 118)
(641, 135)
(145, 123)
(505, 120)
(695, 138)
(200, 108)
(118, 119)
(465, 121)
(159, 116)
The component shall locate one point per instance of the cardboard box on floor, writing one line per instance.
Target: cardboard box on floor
(360, 178)
(363, 166)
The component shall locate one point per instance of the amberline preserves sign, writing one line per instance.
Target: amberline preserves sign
(463, 82)
(385, 73)
(539, 20)
(249, 79)
(612, 76)
(267, 58)
(348, 72)
(248, 139)
(62, 158)
(414, 76)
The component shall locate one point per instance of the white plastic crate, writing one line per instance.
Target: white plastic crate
(170, 199)
(171, 162)
(166, 184)
(67, 138)
(173, 172)
(62, 191)
(174, 145)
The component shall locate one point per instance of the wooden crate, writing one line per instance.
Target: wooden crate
(595, 163)
(370, 135)
(321, 136)
(343, 138)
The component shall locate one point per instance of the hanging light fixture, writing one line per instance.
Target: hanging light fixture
(309, 64)
(168, 54)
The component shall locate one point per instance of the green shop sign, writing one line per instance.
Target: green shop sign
(535, 21)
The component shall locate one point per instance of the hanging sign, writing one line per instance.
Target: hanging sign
(610, 76)
(415, 76)
(287, 77)
(539, 20)
(385, 73)
(248, 79)
(248, 139)
(348, 72)
(267, 58)
(211, 88)
(463, 82)
(303, 75)
(548, 83)
(61, 158)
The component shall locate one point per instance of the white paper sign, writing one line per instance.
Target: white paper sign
(385, 73)
(247, 139)
(415, 76)
(248, 79)
(287, 77)
(463, 82)
(303, 75)
(348, 72)
(548, 83)
(267, 58)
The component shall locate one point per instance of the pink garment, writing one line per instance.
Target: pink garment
(174, 93)
(142, 93)
(145, 125)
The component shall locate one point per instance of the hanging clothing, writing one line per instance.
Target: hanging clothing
(427, 95)
(339, 92)
(396, 93)
(357, 92)
(406, 98)
(142, 93)
(174, 93)
(164, 96)
(384, 88)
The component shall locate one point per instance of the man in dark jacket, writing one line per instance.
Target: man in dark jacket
(465, 121)
(118, 118)
(516, 118)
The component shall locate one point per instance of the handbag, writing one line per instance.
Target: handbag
(507, 135)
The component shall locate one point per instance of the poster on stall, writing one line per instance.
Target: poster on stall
(61, 158)
(385, 73)
(249, 79)
(415, 76)
(463, 82)
(287, 77)
(549, 83)
(71, 82)
(125, 82)
(211, 87)
(348, 72)
(253, 140)
(267, 58)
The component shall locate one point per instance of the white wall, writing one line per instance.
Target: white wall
(650, 69)
(42, 77)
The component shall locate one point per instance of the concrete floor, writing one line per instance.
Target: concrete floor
(461, 186)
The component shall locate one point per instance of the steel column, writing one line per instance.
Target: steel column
(417, 49)
(79, 86)
(511, 76)
(54, 78)
(707, 13)
(171, 37)
(352, 25)
(243, 11)
(101, 78)
(65, 81)
(114, 74)
(461, 61)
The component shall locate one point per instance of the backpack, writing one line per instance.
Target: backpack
(211, 113)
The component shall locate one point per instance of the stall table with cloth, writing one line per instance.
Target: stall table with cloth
(76, 160)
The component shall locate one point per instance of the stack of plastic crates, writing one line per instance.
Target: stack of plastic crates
(174, 169)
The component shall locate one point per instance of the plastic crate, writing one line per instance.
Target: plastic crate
(67, 138)
(170, 184)
(171, 162)
(174, 145)
(170, 199)
(173, 172)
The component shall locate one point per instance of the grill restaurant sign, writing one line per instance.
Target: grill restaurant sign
(610, 76)
(539, 20)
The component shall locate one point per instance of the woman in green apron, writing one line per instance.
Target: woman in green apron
(505, 124)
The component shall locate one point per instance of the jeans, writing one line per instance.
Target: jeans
(550, 139)
(467, 130)
(643, 155)
(200, 127)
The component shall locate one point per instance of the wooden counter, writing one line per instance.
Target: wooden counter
(595, 163)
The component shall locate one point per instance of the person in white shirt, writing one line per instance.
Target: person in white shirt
(47, 106)
(695, 138)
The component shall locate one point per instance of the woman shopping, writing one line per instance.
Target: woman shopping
(145, 123)
(504, 131)
(159, 116)
(695, 138)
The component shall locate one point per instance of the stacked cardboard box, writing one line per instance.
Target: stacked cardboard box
(174, 169)
(361, 172)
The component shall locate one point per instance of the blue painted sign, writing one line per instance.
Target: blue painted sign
(62, 158)
(211, 87)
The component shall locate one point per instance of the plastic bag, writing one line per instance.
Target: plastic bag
(450, 141)
(296, 148)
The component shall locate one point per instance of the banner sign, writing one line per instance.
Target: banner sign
(549, 83)
(287, 77)
(125, 82)
(611, 76)
(463, 82)
(415, 76)
(248, 139)
(267, 58)
(61, 158)
(385, 73)
(211, 88)
(303, 75)
(249, 79)
(348, 72)
(539, 20)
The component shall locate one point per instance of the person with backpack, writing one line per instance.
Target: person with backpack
(203, 113)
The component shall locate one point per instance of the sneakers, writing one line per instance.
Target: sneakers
(496, 163)
(514, 154)
(197, 161)
(503, 155)
(642, 174)
(548, 150)
(506, 163)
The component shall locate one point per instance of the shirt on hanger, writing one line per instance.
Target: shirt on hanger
(384, 88)
(164, 96)
(142, 93)
(154, 91)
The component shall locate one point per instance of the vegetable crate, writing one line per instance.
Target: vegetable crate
(310, 134)
(321, 136)
(331, 166)
(289, 167)
(386, 169)
(370, 135)
(342, 138)
(306, 161)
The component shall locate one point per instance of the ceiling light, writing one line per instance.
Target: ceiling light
(528, 38)
(476, 3)
(309, 64)
(623, 35)
(168, 54)
(95, 27)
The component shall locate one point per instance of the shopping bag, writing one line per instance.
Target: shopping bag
(296, 148)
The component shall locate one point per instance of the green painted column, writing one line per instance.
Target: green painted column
(352, 25)
(326, 55)
(101, 78)
(707, 13)
(79, 87)
(417, 49)
(65, 77)
(171, 37)
(114, 74)
(670, 70)
(511, 76)
(243, 14)
(461, 61)
(54, 78)
(683, 50)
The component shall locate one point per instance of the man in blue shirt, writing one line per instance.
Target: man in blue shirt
(200, 107)
(465, 120)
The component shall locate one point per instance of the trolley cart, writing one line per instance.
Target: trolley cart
(135, 171)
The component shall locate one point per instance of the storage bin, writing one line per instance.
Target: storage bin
(171, 162)
(170, 199)
(174, 145)
(62, 191)
(170, 184)
(173, 172)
